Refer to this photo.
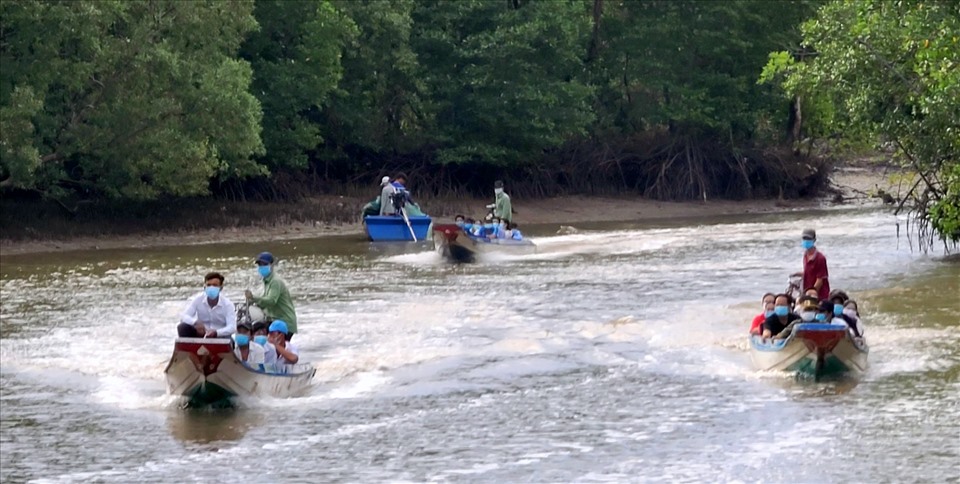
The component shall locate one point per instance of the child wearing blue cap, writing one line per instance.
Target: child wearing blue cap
(287, 352)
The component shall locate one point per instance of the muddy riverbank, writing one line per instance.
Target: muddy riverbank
(219, 222)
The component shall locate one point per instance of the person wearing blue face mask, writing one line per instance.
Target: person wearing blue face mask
(493, 229)
(247, 350)
(208, 314)
(824, 312)
(815, 273)
(276, 301)
(781, 317)
(842, 314)
(260, 337)
(766, 304)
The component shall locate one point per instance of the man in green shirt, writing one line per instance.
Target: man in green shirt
(275, 301)
(501, 206)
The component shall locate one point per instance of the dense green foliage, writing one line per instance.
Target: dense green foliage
(125, 99)
(892, 71)
(137, 99)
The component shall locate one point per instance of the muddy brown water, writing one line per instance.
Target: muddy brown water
(617, 353)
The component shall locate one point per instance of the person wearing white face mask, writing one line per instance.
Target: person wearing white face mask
(502, 209)
(209, 314)
(807, 308)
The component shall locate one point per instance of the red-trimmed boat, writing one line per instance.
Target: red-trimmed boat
(206, 371)
(816, 349)
(457, 245)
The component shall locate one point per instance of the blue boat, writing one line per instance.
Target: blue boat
(383, 228)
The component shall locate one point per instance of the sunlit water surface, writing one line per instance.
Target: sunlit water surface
(616, 353)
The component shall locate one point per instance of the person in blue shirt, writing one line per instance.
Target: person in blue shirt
(400, 185)
(478, 229)
(513, 232)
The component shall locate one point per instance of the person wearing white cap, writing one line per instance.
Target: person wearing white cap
(386, 196)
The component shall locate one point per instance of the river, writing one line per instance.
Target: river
(617, 353)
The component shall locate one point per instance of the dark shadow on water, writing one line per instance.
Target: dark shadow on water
(210, 425)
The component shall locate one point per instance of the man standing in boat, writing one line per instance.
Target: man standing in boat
(209, 314)
(275, 301)
(814, 266)
(502, 209)
(386, 197)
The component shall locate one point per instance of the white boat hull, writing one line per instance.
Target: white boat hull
(207, 370)
(818, 349)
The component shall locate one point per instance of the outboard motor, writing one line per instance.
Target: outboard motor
(399, 200)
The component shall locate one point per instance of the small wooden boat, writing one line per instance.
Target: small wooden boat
(816, 349)
(206, 371)
(458, 246)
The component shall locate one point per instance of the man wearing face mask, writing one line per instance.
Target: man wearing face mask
(781, 317)
(247, 350)
(814, 265)
(275, 301)
(209, 314)
(501, 206)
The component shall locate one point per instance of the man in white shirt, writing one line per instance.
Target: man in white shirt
(209, 314)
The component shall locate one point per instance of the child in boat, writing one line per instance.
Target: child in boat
(269, 351)
(478, 229)
(247, 351)
(287, 352)
(460, 220)
(499, 230)
(514, 232)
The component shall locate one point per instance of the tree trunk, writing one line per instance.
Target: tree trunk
(594, 50)
(795, 120)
